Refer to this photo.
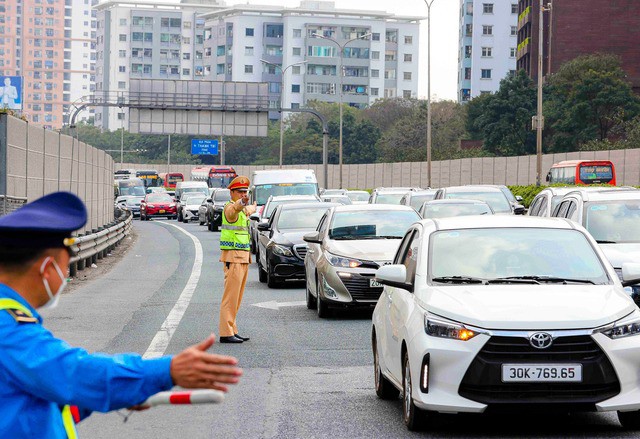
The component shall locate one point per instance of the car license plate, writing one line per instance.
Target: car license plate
(518, 373)
(374, 284)
(162, 210)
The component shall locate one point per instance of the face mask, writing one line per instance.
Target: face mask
(53, 299)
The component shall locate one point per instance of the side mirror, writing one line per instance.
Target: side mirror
(394, 276)
(313, 238)
(518, 198)
(549, 176)
(630, 274)
(263, 227)
(254, 217)
(209, 200)
(518, 209)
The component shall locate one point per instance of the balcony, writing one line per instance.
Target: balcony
(524, 47)
(524, 17)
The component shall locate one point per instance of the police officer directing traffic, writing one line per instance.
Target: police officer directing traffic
(46, 386)
(235, 256)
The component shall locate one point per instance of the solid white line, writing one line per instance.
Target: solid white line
(161, 341)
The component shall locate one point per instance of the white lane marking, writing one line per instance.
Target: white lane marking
(161, 340)
(276, 306)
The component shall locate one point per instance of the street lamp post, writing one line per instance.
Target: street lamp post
(539, 119)
(428, 3)
(282, 88)
(340, 74)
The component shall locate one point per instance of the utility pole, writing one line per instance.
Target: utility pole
(428, 3)
(169, 154)
(222, 150)
(539, 119)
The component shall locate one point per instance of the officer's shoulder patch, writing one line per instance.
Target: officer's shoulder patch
(21, 317)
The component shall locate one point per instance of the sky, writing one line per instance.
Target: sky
(444, 36)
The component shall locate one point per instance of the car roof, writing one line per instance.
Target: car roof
(294, 206)
(291, 197)
(369, 207)
(498, 221)
(394, 189)
(357, 192)
(422, 192)
(607, 195)
(472, 188)
(454, 201)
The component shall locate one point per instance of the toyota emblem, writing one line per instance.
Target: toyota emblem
(540, 340)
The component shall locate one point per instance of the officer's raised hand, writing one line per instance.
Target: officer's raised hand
(196, 368)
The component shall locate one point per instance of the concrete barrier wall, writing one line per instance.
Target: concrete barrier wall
(35, 162)
(519, 170)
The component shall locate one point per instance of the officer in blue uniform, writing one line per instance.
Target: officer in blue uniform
(46, 386)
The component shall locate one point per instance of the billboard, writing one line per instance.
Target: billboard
(11, 92)
(204, 147)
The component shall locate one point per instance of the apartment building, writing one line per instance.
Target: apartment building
(488, 45)
(49, 43)
(573, 28)
(259, 43)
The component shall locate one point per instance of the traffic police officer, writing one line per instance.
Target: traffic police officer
(46, 386)
(236, 257)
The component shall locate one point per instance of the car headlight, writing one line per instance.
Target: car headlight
(281, 250)
(439, 327)
(172, 205)
(625, 327)
(339, 261)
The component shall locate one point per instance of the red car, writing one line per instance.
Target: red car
(158, 204)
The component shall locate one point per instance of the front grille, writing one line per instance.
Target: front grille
(300, 250)
(483, 379)
(194, 212)
(358, 287)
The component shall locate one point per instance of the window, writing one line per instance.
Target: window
(122, 53)
(186, 40)
(391, 36)
(390, 74)
(220, 50)
(514, 8)
(122, 69)
(486, 74)
(186, 56)
(120, 116)
(295, 88)
(122, 85)
(248, 32)
(487, 8)
(407, 76)
(273, 50)
(274, 87)
(295, 70)
(295, 105)
(219, 69)
(390, 55)
(248, 68)
(297, 33)
(323, 51)
(375, 73)
(123, 22)
(248, 50)
(467, 73)
(406, 94)
(512, 52)
(468, 30)
(514, 31)
(487, 30)
(186, 25)
(122, 37)
(486, 52)
(375, 91)
(467, 51)
(408, 39)
(186, 72)
(375, 36)
(297, 51)
(375, 54)
(408, 57)
(274, 30)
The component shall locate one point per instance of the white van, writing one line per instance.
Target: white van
(282, 182)
(191, 186)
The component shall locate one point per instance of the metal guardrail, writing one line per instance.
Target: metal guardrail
(8, 204)
(91, 247)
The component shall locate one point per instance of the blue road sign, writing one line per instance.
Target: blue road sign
(204, 146)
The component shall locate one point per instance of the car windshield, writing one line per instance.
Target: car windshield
(418, 200)
(222, 195)
(301, 218)
(514, 252)
(613, 221)
(202, 190)
(496, 200)
(262, 192)
(133, 190)
(333, 192)
(507, 193)
(194, 199)
(388, 198)
(275, 203)
(358, 196)
(371, 224)
(446, 210)
(159, 198)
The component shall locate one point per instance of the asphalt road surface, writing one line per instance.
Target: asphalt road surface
(303, 377)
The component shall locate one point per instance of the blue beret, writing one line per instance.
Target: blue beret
(44, 223)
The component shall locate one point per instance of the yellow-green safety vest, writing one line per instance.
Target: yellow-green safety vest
(234, 236)
(67, 417)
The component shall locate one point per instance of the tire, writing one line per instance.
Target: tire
(201, 222)
(262, 275)
(311, 301)
(179, 217)
(252, 246)
(630, 420)
(413, 417)
(209, 226)
(272, 282)
(322, 309)
(384, 388)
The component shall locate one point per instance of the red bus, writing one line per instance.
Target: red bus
(583, 172)
(214, 176)
(168, 180)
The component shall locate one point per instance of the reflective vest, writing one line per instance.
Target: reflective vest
(234, 236)
(67, 411)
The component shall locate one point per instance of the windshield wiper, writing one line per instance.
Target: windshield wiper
(384, 237)
(460, 280)
(343, 238)
(514, 279)
(539, 279)
(601, 241)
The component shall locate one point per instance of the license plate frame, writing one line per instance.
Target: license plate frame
(163, 211)
(541, 373)
(374, 284)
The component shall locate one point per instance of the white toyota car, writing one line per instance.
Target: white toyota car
(500, 313)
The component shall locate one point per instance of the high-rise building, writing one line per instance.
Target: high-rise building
(49, 43)
(488, 45)
(579, 27)
(213, 42)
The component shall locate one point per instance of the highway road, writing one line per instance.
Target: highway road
(303, 377)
